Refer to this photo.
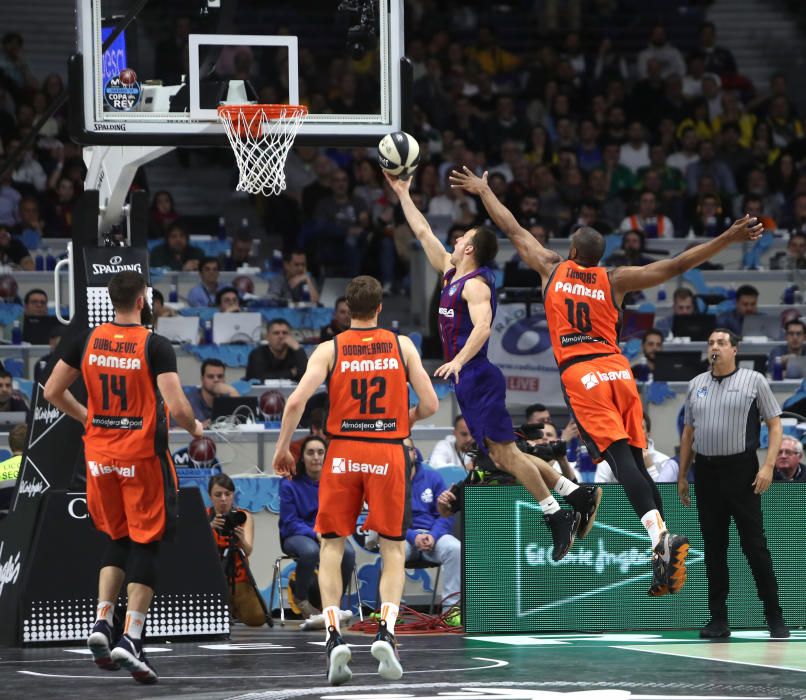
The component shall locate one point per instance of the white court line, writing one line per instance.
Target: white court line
(494, 663)
(660, 650)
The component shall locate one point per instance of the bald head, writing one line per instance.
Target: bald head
(587, 246)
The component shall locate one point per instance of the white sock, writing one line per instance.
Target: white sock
(565, 487)
(389, 613)
(135, 622)
(331, 614)
(105, 611)
(654, 526)
(549, 505)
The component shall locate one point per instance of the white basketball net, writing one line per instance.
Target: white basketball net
(261, 144)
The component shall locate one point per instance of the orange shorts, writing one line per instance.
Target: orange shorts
(356, 471)
(132, 498)
(604, 401)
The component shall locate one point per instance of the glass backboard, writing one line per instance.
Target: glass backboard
(160, 81)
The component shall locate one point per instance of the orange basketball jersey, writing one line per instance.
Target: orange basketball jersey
(368, 387)
(124, 408)
(581, 312)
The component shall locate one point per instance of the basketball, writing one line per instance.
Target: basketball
(127, 76)
(8, 287)
(202, 451)
(244, 285)
(399, 154)
(271, 404)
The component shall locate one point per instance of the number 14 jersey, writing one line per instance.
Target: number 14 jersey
(581, 313)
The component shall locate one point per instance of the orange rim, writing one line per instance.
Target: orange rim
(243, 117)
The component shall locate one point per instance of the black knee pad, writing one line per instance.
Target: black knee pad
(117, 553)
(143, 564)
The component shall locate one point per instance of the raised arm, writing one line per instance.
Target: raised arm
(437, 255)
(531, 251)
(630, 279)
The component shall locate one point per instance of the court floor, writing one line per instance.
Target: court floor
(258, 664)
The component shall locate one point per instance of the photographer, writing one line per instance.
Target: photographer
(299, 504)
(234, 529)
(542, 440)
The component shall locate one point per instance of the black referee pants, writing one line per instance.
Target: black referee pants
(724, 490)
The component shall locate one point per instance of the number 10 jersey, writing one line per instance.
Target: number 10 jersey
(581, 313)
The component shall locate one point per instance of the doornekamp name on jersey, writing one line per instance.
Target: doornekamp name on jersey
(579, 290)
(379, 348)
(369, 365)
(359, 425)
(113, 361)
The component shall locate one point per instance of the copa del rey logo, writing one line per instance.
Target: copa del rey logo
(114, 266)
(340, 465)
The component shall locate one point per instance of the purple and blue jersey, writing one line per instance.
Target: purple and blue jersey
(455, 324)
(481, 389)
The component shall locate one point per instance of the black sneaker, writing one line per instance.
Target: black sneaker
(128, 652)
(777, 626)
(100, 644)
(717, 628)
(563, 525)
(585, 501)
(668, 564)
(384, 648)
(338, 656)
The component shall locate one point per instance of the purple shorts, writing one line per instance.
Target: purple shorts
(481, 393)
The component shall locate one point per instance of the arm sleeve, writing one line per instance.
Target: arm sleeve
(161, 355)
(767, 404)
(71, 349)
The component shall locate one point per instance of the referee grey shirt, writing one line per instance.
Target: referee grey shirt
(726, 412)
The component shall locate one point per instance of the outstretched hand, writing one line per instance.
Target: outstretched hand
(468, 181)
(399, 187)
(746, 229)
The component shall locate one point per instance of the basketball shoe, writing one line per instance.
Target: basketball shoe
(128, 652)
(585, 501)
(384, 649)
(564, 525)
(668, 564)
(338, 656)
(100, 643)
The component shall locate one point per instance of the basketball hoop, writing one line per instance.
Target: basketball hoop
(261, 136)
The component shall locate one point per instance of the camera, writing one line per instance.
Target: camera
(554, 449)
(233, 519)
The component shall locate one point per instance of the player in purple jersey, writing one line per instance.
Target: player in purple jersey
(466, 311)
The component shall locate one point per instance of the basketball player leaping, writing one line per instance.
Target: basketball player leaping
(130, 375)
(582, 302)
(466, 311)
(367, 370)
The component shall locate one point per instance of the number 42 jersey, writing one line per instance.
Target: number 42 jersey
(581, 313)
(368, 387)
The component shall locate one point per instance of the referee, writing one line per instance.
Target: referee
(722, 422)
